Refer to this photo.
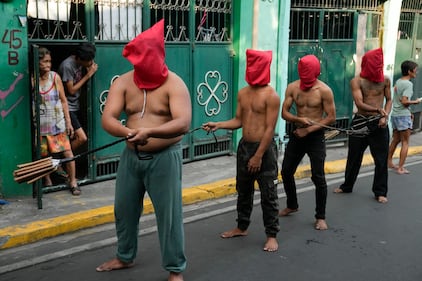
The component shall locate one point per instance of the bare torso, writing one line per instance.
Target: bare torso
(373, 94)
(254, 106)
(155, 113)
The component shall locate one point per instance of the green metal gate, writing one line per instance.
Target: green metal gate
(198, 48)
(409, 47)
(331, 36)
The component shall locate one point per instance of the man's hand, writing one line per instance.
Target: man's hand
(138, 136)
(305, 121)
(210, 126)
(92, 69)
(301, 132)
(254, 164)
(382, 123)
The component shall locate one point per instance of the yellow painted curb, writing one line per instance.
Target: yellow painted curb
(24, 234)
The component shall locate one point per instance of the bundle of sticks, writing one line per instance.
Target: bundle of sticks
(33, 171)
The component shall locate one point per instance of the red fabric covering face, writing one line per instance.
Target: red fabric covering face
(258, 67)
(147, 54)
(309, 69)
(372, 67)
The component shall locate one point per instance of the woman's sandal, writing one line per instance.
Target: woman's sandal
(75, 190)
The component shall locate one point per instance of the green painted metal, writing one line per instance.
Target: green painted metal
(410, 48)
(212, 96)
(15, 96)
(337, 66)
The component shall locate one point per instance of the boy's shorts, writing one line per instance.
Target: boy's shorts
(401, 123)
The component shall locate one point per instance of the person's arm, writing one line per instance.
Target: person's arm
(407, 95)
(73, 88)
(358, 98)
(271, 117)
(63, 100)
(232, 124)
(385, 112)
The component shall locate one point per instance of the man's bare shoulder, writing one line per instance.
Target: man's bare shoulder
(323, 87)
(124, 78)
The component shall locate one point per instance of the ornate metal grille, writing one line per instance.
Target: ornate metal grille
(304, 25)
(56, 19)
(338, 25)
(119, 20)
(66, 19)
(212, 19)
(411, 6)
(406, 26)
(176, 15)
(338, 4)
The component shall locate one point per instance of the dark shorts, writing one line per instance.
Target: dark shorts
(75, 120)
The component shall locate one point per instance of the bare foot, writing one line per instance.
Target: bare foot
(382, 199)
(286, 212)
(338, 190)
(234, 233)
(402, 171)
(271, 245)
(320, 224)
(175, 276)
(392, 166)
(113, 264)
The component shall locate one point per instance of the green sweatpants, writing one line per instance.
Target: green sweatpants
(161, 177)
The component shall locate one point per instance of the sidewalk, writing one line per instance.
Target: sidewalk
(21, 222)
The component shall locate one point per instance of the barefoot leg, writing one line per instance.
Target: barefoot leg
(271, 245)
(321, 224)
(175, 276)
(234, 233)
(113, 264)
(286, 212)
(382, 199)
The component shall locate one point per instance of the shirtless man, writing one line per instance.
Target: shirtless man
(315, 108)
(372, 96)
(158, 108)
(257, 112)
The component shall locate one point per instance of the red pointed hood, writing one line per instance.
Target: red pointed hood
(372, 67)
(258, 67)
(309, 69)
(147, 54)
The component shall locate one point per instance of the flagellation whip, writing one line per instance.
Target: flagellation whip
(33, 171)
(361, 132)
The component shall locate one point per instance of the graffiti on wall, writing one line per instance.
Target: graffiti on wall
(6, 93)
(11, 39)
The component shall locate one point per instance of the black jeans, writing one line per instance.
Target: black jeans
(378, 142)
(314, 146)
(245, 182)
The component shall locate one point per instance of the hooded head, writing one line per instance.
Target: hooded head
(147, 54)
(372, 66)
(258, 67)
(309, 69)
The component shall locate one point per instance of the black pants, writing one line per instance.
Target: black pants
(378, 142)
(245, 187)
(314, 146)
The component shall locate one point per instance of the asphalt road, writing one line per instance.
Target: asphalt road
(365, 241)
